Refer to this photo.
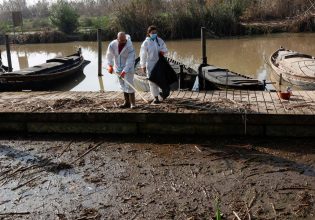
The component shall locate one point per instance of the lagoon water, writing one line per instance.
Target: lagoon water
(246, 55)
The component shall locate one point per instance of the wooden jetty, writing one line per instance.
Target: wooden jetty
(239, 113)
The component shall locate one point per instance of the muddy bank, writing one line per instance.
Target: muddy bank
(153, 178)
(54, 36)
(297, 25)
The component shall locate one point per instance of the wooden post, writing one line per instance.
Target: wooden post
(204, 54)
(102, 88)
(7, 43)
(181, 71)
(226, 83)
(99, 42)
(204, 46)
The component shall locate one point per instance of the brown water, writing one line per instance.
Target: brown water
(244, 55)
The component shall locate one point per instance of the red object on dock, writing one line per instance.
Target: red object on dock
(285, 95)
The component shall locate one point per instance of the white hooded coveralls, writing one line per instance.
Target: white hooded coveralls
(123, 62)
(149, 56)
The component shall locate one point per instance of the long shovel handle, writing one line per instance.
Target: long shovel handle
(132, 87)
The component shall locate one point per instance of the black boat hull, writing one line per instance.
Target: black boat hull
(44, 80)
(212, 77)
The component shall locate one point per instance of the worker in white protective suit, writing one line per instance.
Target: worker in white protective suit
(121, 60)
(151, 49)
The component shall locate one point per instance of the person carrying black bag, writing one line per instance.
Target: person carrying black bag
(151, 50)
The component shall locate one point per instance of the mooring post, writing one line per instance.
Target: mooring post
(181, 71)
(99, 42)
(226, 83)
(204, 55)
(7, 43)
(204, 46)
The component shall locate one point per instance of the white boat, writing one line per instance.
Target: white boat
(295, 68)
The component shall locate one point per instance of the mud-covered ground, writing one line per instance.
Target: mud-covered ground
(73, 177)
(86, 104)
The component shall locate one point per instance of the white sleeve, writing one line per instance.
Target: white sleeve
(130, 60)
(143, 55)
(110, 55)
(163, 47)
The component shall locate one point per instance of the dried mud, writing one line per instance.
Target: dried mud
(156, 178)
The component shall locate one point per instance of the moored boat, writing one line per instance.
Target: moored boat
(295, 68)
(43, 76)
(212, 77)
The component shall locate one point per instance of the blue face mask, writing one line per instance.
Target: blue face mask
(153, 36)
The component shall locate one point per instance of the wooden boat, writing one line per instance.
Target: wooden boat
(186, 76)
(295, 68)
(43, 76)
(212, 77)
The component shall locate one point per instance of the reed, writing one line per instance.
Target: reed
(41, 37)
(176, 19)
(179, 19)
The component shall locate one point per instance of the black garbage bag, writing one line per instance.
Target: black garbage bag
(163, 75)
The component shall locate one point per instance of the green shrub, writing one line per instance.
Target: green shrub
(101, 22)
(64, 16)
(4, 27)
(41, 23)
(86, 21)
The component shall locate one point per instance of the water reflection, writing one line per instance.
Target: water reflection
(71, 83)
(101, 82)
(23, 60)
(248, 56)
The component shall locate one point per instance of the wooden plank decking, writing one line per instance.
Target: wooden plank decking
(252, 113)
(255, 102)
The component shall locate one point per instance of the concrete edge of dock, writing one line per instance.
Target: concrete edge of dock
(197, 124)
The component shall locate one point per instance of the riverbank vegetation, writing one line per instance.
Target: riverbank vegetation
(176, 19)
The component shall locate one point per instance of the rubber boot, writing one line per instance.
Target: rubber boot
(156, 100)
(127, 101)
(132, 99)
(165, 93)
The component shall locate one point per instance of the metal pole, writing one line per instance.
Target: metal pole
(99, 42)
(7, 43)
(204, 46)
